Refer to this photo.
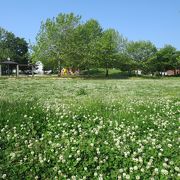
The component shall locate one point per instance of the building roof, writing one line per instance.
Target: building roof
(9, 62)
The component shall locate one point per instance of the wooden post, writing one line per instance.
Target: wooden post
(32, 70)
(0, 70)
(17, 70)
(8, 70)
(59, 67)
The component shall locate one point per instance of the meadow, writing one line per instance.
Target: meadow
(54, 128)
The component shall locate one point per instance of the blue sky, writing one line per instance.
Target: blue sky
(154, 20)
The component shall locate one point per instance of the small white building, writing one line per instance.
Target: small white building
(138, 72)
(39, 68)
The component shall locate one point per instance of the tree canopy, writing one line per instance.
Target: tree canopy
(13, 47)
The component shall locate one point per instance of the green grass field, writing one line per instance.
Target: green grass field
(89, 129)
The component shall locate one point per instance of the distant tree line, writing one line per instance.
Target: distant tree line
(66, 41)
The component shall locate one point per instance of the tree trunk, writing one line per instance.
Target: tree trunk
(59, 68)
(107, 72)
(88, 72)
(174, 71)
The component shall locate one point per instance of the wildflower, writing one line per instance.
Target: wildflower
(127, 176)
(4, 176)
(100, 177)
(137, 177)
(12, 155)
(177, 169)
(156, 170)
(164, 171)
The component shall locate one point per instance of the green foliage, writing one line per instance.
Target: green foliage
(54, 40)
(108, 48)
(66, 41)
(81, 91)
(166, 58)
(139, 52)
(13, 47)
(76, 44)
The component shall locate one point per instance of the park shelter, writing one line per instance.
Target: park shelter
(12, 64)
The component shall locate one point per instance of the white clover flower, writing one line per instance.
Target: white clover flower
(171, 162)
(78, 159)
(59, 172)
(138, 177)
(164, 172)
(100, 177)
(12, 155)
(165, 165)
(4, 176)
(177, 169)
(73, 177)
(156, 170)
(127, 176)
(95, 174)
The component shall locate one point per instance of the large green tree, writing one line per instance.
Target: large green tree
(13, 47)
(140, 52)
(166, 58)
(54, 40)
(109, 46)
(85, 41)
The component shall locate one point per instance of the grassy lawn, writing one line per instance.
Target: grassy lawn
(54, 128)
